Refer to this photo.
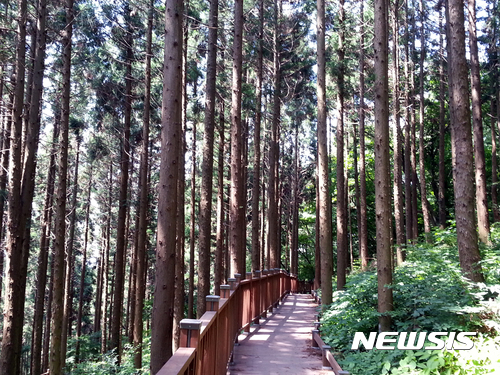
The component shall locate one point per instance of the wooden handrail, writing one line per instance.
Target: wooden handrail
(328, 360)
(250, 300)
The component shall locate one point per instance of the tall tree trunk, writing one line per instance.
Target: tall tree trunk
(493, 59)
(192, 232)
(179, 293)
(294, 244)
(442, 127)
(83, 271)
(48, 320)
(413, 147)
(342, 250)
(477, 123)
(33, 125)
(273, 213)
(317, 238)
(407, 146)
(356, 183)
(398, 157)
(105, 277)
(235, 199)
(141, 260)
(363, 230)
(161, 338)
(32, 134)
(10, 357)
(70, 263)
(423, 186)
(244, 196)
(132, 261)
(219, 251)
(468, 250)
(180, 242)
(256, 265)
(382, 172)
(56, 356)
(117, 313)
(6, 123)
(324, 199)
(207, 163)
(43, 258)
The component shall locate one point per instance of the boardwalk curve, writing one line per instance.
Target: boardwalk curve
(281, 345)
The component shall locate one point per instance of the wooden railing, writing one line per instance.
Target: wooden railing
(206, 345)
(329, 362)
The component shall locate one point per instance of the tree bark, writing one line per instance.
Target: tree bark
(273, 213)
(442, 127)
(117, 313)
(423, 186)
(236, 221)
(256, 265)
(180, 240)
(105, 271)
(83, 271)
(397, 136)
(204, 239)
(382, 165)
(219, 252)
(324, 199)
(192, 234)
(48, 320)
(141, 261)
(407, 146)
(10, 357)
(363, 231)
(6, 123)
(56, 355)
(294, 243)
(477, 123)
(468, 250)
(43, 258)
(161, 338)
(342, 252)
(70, 263)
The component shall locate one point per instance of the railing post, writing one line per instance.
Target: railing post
(277, 288)
(232, 283)
(326, 364)
(314, 343)
(265, 293)
(225, 291)
(212, 303)
(317, 325)
(258, 300)
(190, 333)
(250, 306)
(237, 276)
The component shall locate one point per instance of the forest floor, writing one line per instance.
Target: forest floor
(281, 344)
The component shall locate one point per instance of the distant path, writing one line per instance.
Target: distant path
(282, 343)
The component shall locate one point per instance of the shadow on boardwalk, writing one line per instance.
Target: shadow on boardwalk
(281, 345)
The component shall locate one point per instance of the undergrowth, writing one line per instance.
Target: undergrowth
(430, 295)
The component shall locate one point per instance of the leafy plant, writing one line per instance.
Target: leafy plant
(430, 294)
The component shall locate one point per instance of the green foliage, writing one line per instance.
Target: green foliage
(430, 294)
(479, 360)
(108, 362)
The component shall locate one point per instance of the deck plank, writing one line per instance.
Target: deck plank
(282, 343)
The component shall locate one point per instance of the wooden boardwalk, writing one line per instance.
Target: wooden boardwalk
(281, 345)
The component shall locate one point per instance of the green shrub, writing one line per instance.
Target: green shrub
(430, 294)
